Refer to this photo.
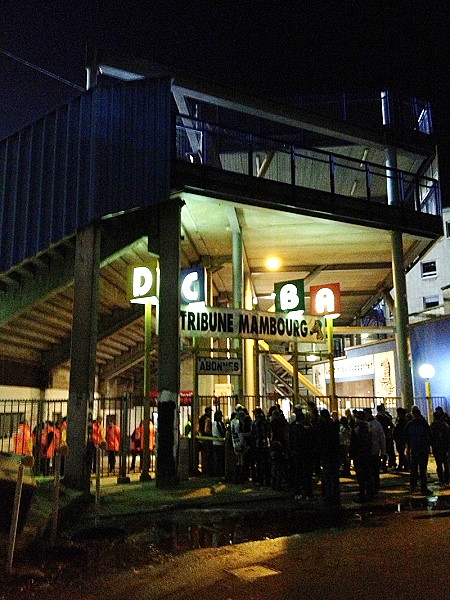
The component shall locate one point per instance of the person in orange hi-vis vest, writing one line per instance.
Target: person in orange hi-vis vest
(57, 437)
(152, 437)
(136, 446)
(64, 430)
(22, 440)
(62, 441)
(47, 447)
(98, 431)
(112, 444)
(137, 442)
(96, 435)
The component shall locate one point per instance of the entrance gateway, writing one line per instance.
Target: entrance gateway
(160, 179)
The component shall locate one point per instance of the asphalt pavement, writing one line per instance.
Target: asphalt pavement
(395, 546)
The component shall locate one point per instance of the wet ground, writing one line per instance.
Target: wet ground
(212, 528)
(128, 544)
(124, 539)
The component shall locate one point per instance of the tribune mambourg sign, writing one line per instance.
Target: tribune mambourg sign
(237, 323)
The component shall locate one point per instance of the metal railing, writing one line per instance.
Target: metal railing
(226, 404)
(36, 426)
(206, 143)
(364, 108)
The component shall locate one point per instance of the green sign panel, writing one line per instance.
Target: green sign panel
(290, 296)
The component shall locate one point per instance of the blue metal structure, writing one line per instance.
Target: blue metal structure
(430, 345)
(106, 152)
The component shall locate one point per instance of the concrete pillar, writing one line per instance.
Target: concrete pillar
(169, 344)
(82, 355)
(401, 320)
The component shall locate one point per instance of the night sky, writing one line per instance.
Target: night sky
(276, 48)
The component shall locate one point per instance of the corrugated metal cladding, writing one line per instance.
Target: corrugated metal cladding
(104, 152)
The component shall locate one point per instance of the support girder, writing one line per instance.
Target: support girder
(333, 267)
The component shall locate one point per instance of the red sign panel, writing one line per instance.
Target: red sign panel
(325, 299)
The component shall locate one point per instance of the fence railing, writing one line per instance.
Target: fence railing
(39, 427)
(246, 153)
(364, 108)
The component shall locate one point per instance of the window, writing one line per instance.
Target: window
(430, 301)
(428, 268)
(447, 229)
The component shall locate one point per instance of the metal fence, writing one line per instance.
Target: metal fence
(38, 426)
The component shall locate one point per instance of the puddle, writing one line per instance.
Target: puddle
(428, 503)
(191, 529)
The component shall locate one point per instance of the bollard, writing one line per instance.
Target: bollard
(27, 461)
(56, 487)
(98, 449)
(123, 477)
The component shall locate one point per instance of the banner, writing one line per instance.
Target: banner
(239, 323)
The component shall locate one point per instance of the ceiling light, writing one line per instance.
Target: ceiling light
(273, 263)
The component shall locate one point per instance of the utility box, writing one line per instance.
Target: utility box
(9, 470)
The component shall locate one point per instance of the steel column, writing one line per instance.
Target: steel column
(401, 319)
(169, 344)
(145, 468)
(238, 281)
(82, 353)
(248, 363)
(330, 342)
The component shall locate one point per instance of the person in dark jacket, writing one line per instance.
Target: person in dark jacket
(400, 438)
(361, 453)
(388, 427)
(248, 466)
(260, 436)
(206, 448)
(418, 444)
(328, 443)
(301, 452)
(440, 442)
(313, 417)
(218, 432)
(345, 432)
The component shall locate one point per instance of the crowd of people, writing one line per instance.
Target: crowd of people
(318, 446)
(42, 442)
(270, 450)
(45, 441)
(109, 439)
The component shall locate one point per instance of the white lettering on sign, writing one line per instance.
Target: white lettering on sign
(356, 366)
(325, 301)
(142, 281)
(188, 288)
(289, 299)
(239, 323)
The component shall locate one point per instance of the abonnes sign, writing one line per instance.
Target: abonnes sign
(239, 323)
(218, 366)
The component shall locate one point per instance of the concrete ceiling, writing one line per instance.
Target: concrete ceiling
(37, 330)
(318, 250)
